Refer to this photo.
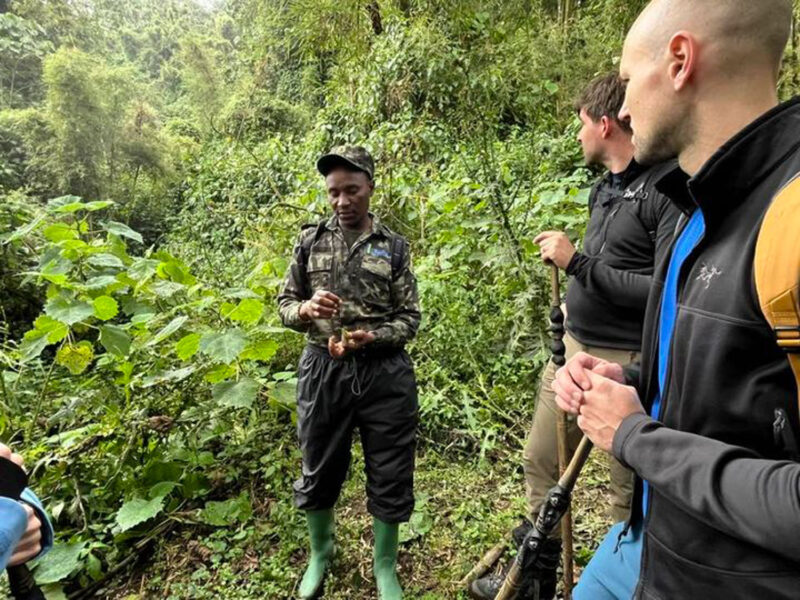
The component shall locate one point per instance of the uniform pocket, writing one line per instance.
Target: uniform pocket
(319, 271)
(376, 281)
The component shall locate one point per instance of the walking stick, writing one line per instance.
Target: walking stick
(484, 565)
(559, 359)
(556, 503)
(22, 584)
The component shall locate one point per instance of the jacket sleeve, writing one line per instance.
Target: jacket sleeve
(731, 488)
(404, 322)
(13, 522)
(48, 534)
(625, 288)
(296, 289)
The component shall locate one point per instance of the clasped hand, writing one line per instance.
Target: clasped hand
(595, 390)
(326, 305)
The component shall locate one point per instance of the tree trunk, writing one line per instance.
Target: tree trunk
(374, 10)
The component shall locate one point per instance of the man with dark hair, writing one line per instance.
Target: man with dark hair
(629, 225)
(351, 289)
(710, 420)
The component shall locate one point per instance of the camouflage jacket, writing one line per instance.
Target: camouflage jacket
(372, 299)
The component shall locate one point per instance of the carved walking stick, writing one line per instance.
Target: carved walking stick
(559, 351)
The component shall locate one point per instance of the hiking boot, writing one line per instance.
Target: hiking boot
(486, 588)
(538, 582)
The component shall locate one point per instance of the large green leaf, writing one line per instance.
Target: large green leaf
(228, 512)
(71, 204)
(223, 347)
(284, 393)
(57, 564)
(75, 357)
(187, 346)
(168, 376)
(138, 511)
(105, 260)
(68, 311)
(115, 340)
(220, 372)
(101, 281)
(164, 289)
(105, 308)
(23, 231)
(55, 330)
(236, 394)
(262, 350)
(248, 310)
(58, 232)
(168, 330)
(32, 347)
(122, 230)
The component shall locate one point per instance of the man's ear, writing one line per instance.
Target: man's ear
(682, 59)
(605, 127)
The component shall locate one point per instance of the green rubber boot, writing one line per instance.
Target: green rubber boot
(320, 529)
(385, 560)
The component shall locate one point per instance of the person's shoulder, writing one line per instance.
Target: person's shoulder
(659, 170)
(654, 174)
(390, 234)
(309, 231)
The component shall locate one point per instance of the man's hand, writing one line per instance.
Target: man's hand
(30, 545)
(604, 407)
(572, 380)
(354, 340)
(5, 452)
(555, 247)
(323, 305)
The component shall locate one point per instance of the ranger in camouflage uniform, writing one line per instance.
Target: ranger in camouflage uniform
(351, 289)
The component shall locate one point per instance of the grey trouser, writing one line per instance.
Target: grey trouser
(540, 459)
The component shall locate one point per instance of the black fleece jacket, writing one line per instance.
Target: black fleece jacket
(723, 519)
(630, 226)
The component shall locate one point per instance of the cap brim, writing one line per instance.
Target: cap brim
(329, 162)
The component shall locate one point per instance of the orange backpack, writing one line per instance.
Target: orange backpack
(777, 271)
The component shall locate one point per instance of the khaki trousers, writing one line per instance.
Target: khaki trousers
(540, 459)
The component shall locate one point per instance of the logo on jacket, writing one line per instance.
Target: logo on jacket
(378, 252)
(707, 274)
(637, 194)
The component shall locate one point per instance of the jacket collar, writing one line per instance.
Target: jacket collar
(743, 162)
(378, 227)
(628, 176)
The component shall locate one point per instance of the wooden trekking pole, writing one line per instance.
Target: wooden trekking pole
(559, 359)
(555, 505)
(484, 565)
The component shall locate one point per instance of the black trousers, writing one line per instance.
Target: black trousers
(376, 393)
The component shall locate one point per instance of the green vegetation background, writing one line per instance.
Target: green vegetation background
(156, 163)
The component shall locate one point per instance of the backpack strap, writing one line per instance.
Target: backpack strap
(642, 190)
(398, 254)
(777, 272)
(308, 241)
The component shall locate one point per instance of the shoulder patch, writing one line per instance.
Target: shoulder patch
(777, 271)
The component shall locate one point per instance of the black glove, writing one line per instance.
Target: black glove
(12, 479)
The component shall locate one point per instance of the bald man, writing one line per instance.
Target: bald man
(710, 422)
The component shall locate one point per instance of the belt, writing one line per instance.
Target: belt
(363, 354)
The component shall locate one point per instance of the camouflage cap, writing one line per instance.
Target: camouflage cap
(355, 156)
